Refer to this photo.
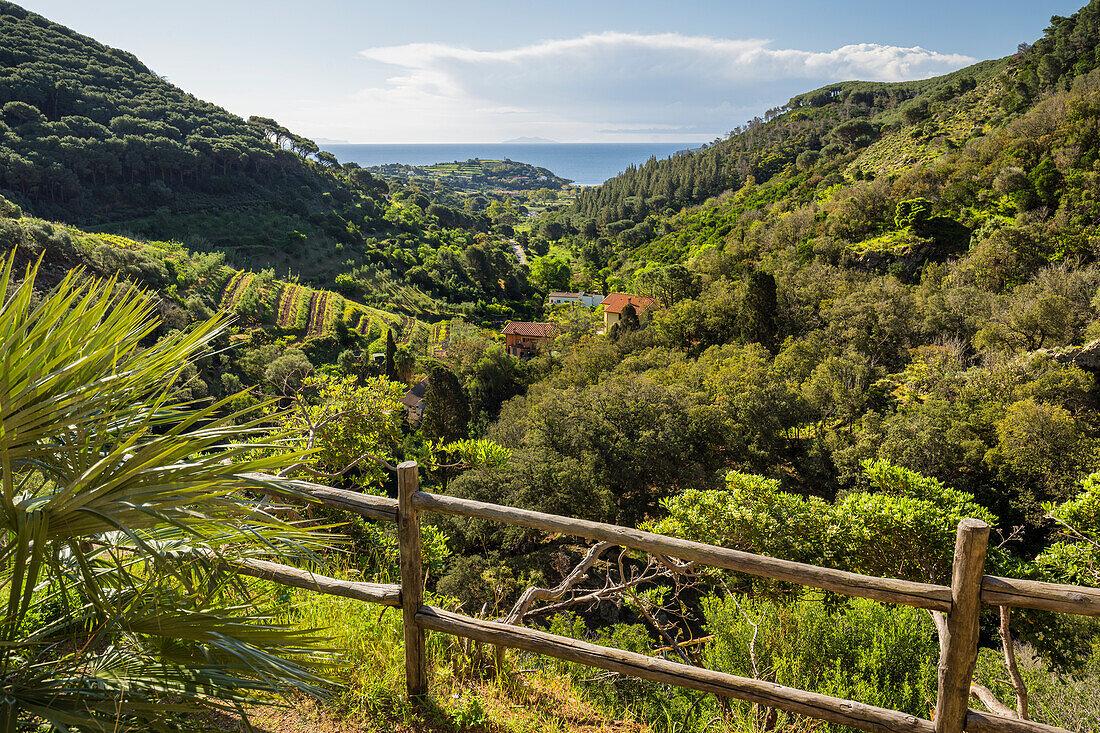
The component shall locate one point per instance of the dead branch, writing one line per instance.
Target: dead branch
(532, 594)
(1013, 536)
(1073, 533)
(992, 704)
(1017, 680)
(686, 644)
(305, 467)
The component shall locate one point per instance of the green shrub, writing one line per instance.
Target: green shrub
(9, 210)
(1070, 701)
(864, 651)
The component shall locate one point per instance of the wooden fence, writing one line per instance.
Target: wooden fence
(956, 606)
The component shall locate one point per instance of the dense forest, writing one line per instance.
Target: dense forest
(878, 313)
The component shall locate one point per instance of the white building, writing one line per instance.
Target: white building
(589, 300)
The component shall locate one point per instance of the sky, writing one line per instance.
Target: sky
(426, 71)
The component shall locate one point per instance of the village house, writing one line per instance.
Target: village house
(528, 339)
(614, 303)
(589, 300)
(414, 400)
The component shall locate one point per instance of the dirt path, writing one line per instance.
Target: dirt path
(520, 254)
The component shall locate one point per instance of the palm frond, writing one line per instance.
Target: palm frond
(121, 508)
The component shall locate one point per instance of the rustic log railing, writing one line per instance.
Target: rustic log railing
(955, 607)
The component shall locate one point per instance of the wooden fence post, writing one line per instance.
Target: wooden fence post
(412, 578)
(959, 634)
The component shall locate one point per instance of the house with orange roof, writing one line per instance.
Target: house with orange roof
(525, 339)
(614, 303)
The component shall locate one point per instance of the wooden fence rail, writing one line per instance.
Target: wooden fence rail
(956, 608)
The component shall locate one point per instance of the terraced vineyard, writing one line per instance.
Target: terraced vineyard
(234, 289)
(440, 336)
(291, 306)
(288, 306)
(408, 328)
(318, 309)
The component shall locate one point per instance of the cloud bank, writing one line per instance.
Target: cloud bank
(608, 85)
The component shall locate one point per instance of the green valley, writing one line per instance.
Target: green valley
(835, 335)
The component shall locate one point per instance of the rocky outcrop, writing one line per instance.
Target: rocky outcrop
(1085, 357)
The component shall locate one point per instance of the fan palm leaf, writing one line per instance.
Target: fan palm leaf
(121, 509)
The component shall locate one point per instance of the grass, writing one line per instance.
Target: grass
(371, 668)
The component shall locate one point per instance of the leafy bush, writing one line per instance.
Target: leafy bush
(865, 651)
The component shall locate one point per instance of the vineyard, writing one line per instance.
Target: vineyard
(439, 341)
(234, 289)
(290, 306)
(318, 311)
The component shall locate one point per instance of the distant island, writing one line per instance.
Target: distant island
(476, 174)
(541, 140)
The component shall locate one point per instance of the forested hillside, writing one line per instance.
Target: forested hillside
(888, 271)
(879, 309)
(839, 114)
(477, 175)
(92, 137)
(840, 134)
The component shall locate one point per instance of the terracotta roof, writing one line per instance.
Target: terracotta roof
(615, 302)
(521, 328)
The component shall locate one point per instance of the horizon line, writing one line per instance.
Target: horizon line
(550, 142)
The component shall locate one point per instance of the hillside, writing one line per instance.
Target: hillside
(91, 134)
(966, 131)
(92, 137)
(838, 114)
(878, 307)
(272, 316)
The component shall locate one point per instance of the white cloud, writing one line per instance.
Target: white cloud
(609, 85)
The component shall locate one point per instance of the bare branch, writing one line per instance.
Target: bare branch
(305, 467)
(686, 644)
(1013, 536)
(552, 594)
(1017, 680)
(1072, 531)
(643, 606)
(992, 704)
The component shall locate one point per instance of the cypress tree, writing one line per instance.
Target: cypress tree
(391, 352)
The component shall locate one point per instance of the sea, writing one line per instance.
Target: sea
(586, 164)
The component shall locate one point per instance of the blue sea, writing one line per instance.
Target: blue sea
(586, 164)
